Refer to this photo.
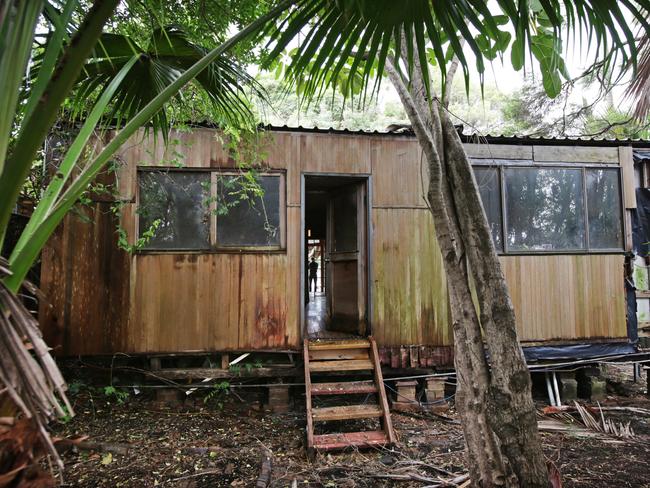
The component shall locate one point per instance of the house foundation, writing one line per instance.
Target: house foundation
(435, 393)
(568, 386)
(591, 385)
(278, 399)
(405, 397)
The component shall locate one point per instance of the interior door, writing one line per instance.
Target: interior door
(346, 269)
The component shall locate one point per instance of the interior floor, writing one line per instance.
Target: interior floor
(316, 316)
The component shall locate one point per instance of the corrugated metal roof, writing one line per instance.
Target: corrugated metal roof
(476, 138)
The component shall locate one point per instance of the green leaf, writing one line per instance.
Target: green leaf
(552, 83)
(45, 66)
(503, 42)
(66, 167)
(18, 22)
(517, 54)
(33, 131)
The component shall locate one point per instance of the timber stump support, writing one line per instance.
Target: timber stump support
(168, 397)
(568, 386)
(279, 400)
(591, 384)
(435, 394)
(405, 400)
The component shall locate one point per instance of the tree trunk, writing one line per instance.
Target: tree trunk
(511, 409)
(495, 403)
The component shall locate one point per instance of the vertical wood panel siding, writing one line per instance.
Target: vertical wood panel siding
(102, 301)
(410, 303)
(567, 296)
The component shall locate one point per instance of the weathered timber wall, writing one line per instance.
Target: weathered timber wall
(103, 300)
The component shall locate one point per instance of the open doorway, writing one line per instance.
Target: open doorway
(335, 257)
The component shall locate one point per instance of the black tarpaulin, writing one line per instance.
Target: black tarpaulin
(641, 223)
(632, 324)
(578, 351)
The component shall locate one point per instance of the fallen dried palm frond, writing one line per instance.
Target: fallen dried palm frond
(591, 423)
(28, 373)
(606, 426)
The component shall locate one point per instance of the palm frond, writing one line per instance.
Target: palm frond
(351, 38)
(639, 88)
(168, 54)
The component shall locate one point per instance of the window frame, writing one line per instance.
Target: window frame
(501, 247)
(501, 165)
(214, 220)
(214, 248)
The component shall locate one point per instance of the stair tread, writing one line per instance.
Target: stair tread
(329, 354)
(346, 412)
(327, 442)
(343, 388)
(341, 365)
(333, 345)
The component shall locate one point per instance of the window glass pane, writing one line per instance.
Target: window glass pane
(248, 211)
(179, 202)
(488, 187)
(544, 209)
(604, 209)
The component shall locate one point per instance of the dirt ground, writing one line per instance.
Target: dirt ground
(221, 442)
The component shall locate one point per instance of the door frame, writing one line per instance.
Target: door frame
(367, 179)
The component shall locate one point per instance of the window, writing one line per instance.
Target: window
(176, 204)
(210, 210)
(487, 180)
(544, 209)
(551, 208)
(604, 209)
(248, 211)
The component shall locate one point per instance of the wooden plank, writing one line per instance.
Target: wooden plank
(330, 153)
(343, 388)
(335, 442)
(202, 373)
(498, 151)
(394, 357)
(94, 316)
(225, 361)
(346, 412)
(338, 345)
(321, 354)
(575, 154)
(627, 168)
(310, 422)
(344, 365)
(387, 423)
(398, 173)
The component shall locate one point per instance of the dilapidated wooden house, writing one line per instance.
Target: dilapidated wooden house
(223, 275)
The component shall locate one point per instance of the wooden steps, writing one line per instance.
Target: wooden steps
(344, 388)
(334, 357)
(334, 442)
(341, 365)
(332, 345)
(346, 412)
